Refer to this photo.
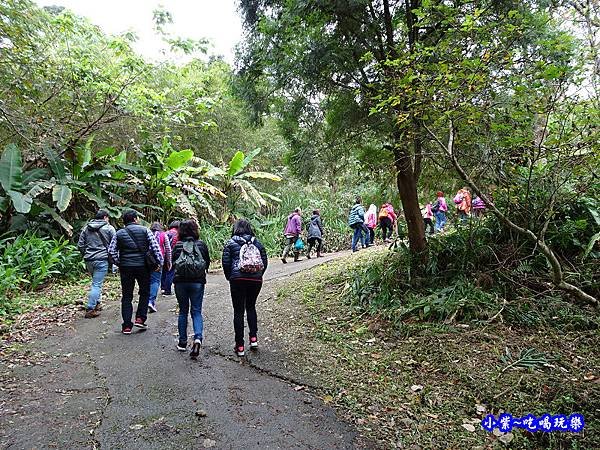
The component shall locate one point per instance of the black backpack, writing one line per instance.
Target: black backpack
(190, 263)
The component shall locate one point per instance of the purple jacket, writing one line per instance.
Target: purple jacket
(294, 225)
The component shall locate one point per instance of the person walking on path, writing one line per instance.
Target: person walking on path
(93, 244)
(166, 282)
(439, 209)
(427, 217)
(356, 221)
(156, 276)
(462, 199)
(292, 232)
(387, 218)
(315, 233)
(191, 261)
(131, 248)
(244, 264)
(478, 207)
(371, 222)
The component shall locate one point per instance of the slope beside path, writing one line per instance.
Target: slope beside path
(89, 386)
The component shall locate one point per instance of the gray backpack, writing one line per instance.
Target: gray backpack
(190, 263)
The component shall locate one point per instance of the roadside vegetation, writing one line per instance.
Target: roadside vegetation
(425, 370)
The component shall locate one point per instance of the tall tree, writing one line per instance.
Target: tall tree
(331, 55)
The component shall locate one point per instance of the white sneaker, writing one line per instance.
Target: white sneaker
(253, 343)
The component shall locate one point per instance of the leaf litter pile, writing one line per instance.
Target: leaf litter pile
(431, 388)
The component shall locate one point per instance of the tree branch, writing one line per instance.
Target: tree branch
(557, 273)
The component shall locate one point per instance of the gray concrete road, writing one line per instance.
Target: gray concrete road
(93, 387)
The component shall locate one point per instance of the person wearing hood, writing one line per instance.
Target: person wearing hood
(356, 221)
(371, 222)
(245, 281)
(191, 261)
(93, 244)
(315, 233)
(292, 232)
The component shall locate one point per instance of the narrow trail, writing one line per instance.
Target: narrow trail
(96, 388)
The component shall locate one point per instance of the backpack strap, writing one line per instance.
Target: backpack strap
(102, 237)
(134, 241)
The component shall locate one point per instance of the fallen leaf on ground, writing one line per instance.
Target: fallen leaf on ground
(327, 399)
(299, 388)
(416, 388)
(468, 427)
(138, 426)
(506, 438)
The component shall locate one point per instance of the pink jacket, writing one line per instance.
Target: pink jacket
(443, 204)
(427, 213)
(371, 220)
(391, 214)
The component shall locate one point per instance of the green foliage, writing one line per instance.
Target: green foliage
(29, 261)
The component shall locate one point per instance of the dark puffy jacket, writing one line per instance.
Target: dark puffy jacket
(201, 246)
(231, 259)
(129, 255)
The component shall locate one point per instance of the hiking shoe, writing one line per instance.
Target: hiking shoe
(140, 323)
(239, 350)
(98, 307)
(126, 330)
(91, 313)
(195, 349)
(182, 346)
(283, 260)
(308, 255)
(253, 343)
(152, 308)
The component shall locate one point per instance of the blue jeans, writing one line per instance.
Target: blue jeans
(155, 278)
(440, 220)
(98, 270)
(190, 293)
(167, 280)
(358, 235)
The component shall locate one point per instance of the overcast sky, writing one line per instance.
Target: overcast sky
(216, 20)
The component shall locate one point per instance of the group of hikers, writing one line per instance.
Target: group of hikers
(154, 258)
(438, 210)
(362, 222)
(157, 259)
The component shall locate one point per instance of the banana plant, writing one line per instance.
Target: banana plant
(178, 180)
(237, 183)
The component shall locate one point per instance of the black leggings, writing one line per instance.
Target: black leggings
(311, 242)
(243, 296)
(428, 223)
(386, 227)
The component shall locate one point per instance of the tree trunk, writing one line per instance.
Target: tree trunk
(407, 186)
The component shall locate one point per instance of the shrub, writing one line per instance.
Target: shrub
(29, 261)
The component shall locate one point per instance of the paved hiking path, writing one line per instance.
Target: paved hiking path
(94, 387)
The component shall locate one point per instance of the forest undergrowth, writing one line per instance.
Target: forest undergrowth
(421, 357)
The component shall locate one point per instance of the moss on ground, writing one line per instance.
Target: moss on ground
(417, 385)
